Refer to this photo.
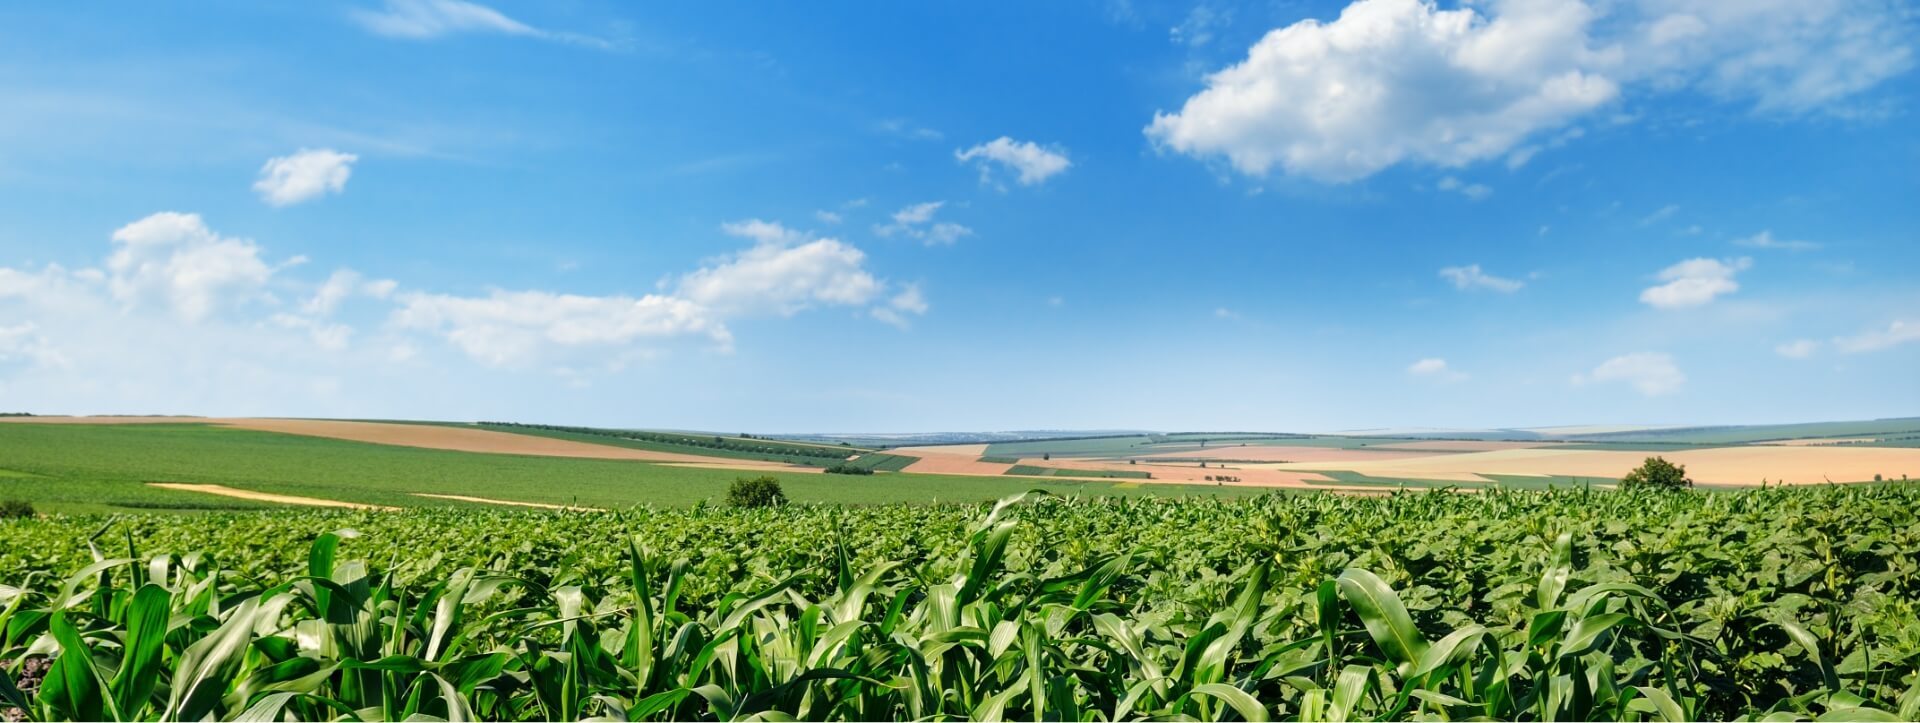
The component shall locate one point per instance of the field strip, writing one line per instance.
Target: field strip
(512, 503)
(225, 491)
(471, 439)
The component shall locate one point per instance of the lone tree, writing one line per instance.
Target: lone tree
(1657, 473)
(760, 491)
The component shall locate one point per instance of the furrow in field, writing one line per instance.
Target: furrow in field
(225, 491)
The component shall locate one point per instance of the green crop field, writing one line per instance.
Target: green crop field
(104, 468)
(1779, 604)
(1766, 432)
(1037, 471)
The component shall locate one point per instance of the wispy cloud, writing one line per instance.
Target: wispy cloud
(916, 221)
(1765, 240)
(1473, 191)
(1651, 373)
(1899, 332)
(1471, 277)
(1435, 368)
(428, 19)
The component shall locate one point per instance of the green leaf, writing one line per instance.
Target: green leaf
(1243, 703)
(1385, 617)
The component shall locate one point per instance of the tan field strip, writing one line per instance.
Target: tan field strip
(1291, 454)
(225, 491)
(510, 503)
(431, 436)
(1458, 445)
(945, 450)
(458, 439)
(1746, 465)
(107, 419)
(1818, 442)
(748, 465)
(959, 459)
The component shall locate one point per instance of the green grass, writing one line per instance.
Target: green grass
(103, 468)
(882, 462)
(1767, 432)
(1036, 471)
(656, 445)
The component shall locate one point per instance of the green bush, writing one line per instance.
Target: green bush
(15, 510)
(1657, 473)
(760, 491)
(848, 469)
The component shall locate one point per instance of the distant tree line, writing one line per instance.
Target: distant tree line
(743, 443)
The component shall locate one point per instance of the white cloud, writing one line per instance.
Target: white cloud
(903, 128)
(304, 176)
(1665, 212)
(345, 283)
(1652, 373)
(781, 275)
(916, 221)
(1198, 28)
(1797, 349)
(1034, 163)
(825, 216)
(23, 343)
(1765, 240)
(174, 259)
(908, 301)
(515, 328)
(1435, 368)
(1899, 332)
(1392, 81)
(1473, 191)
(1471, 277)
(428, 19)
(1694, 282)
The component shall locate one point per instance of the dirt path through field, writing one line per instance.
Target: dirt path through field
(225, 491)
(510, 503)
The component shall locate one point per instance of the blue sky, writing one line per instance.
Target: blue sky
(956, 216)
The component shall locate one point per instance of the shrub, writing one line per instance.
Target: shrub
(15, 510)
(848, 469)
(1657, 473)
(757, 492)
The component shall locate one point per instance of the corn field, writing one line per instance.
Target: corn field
(1781, 604)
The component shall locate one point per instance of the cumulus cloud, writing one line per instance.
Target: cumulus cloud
(1470, 277)
(1032, 162)
(1435, 368)
(514, 328)
(174, 259)
(306, 175)
(1392, 81)
(916, 221)
(1899, 332)
(428, 19)
(1765, 240)
(173, 293)
(1797, 349)
(1694, 282)
(781, 275)
(1651, 373)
